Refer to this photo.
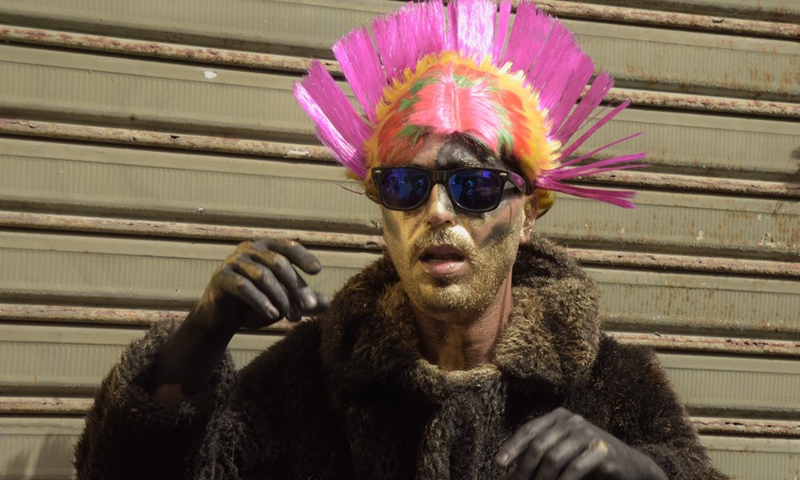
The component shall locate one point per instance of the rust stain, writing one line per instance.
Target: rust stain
(685, 21)
(161, 139)
(171, 51)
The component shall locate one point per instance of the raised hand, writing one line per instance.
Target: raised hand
(257, 285)
(564, 446)
(254, 287)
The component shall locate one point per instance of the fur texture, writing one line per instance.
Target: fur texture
(349, 396)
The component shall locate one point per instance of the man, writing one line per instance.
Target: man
(471, 350)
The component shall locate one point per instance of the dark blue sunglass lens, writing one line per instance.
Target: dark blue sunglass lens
(403, 188)
(477, 190)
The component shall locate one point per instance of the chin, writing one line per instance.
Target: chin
(448, 298)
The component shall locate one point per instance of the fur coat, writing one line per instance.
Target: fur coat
(349, 395)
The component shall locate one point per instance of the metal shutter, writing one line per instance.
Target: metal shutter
(140, 141)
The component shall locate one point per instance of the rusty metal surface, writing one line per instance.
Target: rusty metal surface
(694, 343)
(71, 314)
(683, 21)
(754, 458)
(68, 223)
(69, 361)
(659, 57)
(53, 406)
(746, 426)
(149, 138)
(766, 10)
(61, 178)
(705, 103)
(44, 405)
(686, 263)
(690, 183)
(161, 50)
(270, 149)
(72, 360)
(711, 146)
(126, 272)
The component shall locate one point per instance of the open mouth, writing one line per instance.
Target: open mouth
(442, 254)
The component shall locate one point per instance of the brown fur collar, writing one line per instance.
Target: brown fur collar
(552, 337)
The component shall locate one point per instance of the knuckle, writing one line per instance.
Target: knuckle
(240, 284)
(282, 264)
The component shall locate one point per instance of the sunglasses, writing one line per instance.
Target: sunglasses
(470, 189)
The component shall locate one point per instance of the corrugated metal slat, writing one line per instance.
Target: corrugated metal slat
(668, 58)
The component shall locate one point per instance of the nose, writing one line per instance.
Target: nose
(439, 209)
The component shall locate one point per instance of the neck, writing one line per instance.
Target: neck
(463, 341)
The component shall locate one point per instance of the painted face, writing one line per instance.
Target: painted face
(452, 262)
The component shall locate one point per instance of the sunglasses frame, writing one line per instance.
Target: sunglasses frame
(443, 177)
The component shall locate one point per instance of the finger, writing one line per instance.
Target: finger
(263, 278)
(240, 287)
(539, 449)
(294, 251)
(559, 456)
(522, 438)
(292, 282)
(323, 303)
(589, 461)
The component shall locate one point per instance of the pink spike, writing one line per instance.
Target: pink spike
(591, 99)
(619, 198)
(501, 32)
(566, 152)
(362, 69)
(573, 80)
(618, 163)
(452, 32)
(555, 56)
(598, 150)
(475, 27)
(339, 127)
(428, 28)
(530, 31)
(389, 45)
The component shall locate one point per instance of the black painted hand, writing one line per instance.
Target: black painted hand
(258, 285)
(565, 446)
(254, 287)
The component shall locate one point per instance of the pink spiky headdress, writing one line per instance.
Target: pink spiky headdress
(456, 72)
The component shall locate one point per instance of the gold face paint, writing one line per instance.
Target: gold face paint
(452, 263)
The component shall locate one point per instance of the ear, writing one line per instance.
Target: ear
(530, 208)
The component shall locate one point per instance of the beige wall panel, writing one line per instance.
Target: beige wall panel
(81, 179)
(755, 459)
(70, 86)
(74, 360)
(705, 144)
(715, 384)
(681, 220)
(693, 61)
(55, 268)
(40, 359)
(39, 448)
(130, 271)
(776, 10)
(687, 302)
(180, 186)
(74, 86)
(254, 24)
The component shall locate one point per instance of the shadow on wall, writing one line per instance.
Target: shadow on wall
(52, 460)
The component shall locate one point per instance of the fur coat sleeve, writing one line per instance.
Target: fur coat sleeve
(629, 395)
(236, 428)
